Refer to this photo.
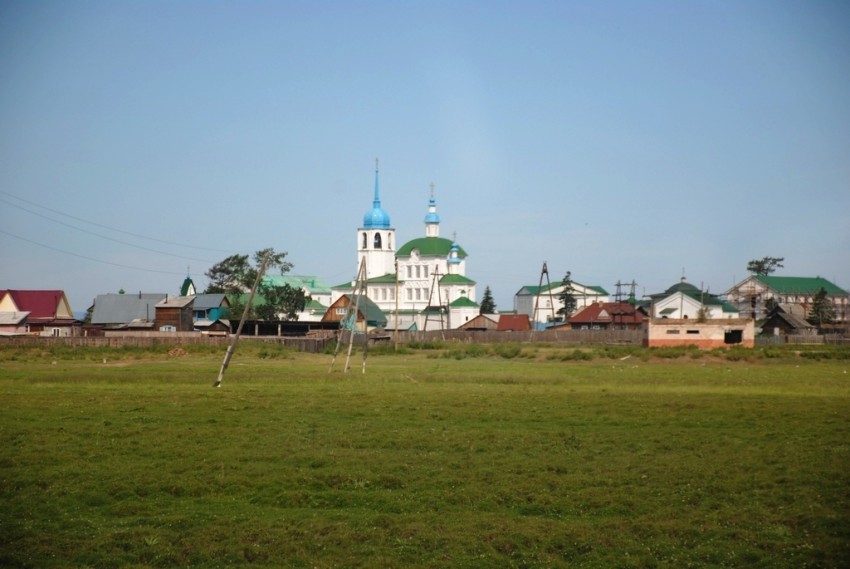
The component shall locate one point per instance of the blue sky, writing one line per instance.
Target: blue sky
(617, 140)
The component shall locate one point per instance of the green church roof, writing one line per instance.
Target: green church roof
(430, 247)
(456, 279)
(464, 302)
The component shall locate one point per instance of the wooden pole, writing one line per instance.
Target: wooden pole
(232, 346)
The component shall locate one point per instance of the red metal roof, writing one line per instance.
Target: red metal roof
(39, 303)
(607, 312)
(508, 322)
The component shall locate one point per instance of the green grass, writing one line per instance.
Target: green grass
(526, 456)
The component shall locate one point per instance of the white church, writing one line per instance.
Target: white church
(421, 285)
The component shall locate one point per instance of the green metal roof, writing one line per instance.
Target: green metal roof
(314, 305)
(801, 285)
(314, 285)
(464, 302)
(456, 279)
(430, 247)
(389, 278)
(374, 315)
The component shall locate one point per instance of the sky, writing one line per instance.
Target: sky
(620, 141)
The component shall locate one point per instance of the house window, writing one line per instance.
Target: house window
(673, 331)
(733, 337)
(340, 311)
(693, 331)
(377, 240)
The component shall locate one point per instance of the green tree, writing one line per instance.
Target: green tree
(567, 297)
(236, 274)
(488, 305)
(765, 265)
(280, 302)
(822, 310)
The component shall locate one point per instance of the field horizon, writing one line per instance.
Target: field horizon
(451, 456)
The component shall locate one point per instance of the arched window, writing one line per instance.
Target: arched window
(389, 240)
(377, 240)
(364, 241)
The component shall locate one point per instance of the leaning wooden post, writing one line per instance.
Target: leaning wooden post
(232, 346)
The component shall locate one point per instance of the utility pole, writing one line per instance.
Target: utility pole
(349, 321)
(232, 346)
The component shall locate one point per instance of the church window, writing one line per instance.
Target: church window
(425, 269)
(377, 240)
(409, 294)
(418, 294)
(418, 271)
(389, 240)
(364, 242)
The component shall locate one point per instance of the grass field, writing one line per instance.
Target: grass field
(517, 456)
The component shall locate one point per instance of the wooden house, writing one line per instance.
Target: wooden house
(608, 315)
(174, 314)
(369, 315)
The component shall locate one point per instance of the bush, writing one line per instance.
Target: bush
(507, 351)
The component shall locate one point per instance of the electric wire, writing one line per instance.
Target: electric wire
(113, 228)
(103, 236)
(89, 258)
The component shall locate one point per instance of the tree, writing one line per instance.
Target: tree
(567, 297)
(488, 305)
(765, 265)
(236, 274)
(281, 302)
(822, 310)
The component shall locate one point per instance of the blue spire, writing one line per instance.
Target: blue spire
(376, 218)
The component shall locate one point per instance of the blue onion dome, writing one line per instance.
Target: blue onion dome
(377, 217)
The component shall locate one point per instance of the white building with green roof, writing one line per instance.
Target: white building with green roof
(423, 283)
(754, 295)
(542, 305)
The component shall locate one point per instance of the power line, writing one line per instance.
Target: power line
(113, 228)
(89, 258)
(103, 236)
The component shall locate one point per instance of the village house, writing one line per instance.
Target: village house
(37, 312)
(608, 315)
(368, 318)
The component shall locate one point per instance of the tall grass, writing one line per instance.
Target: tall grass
(491, 460)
